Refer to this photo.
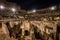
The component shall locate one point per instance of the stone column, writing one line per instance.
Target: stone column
(5, 29)
(54, 31)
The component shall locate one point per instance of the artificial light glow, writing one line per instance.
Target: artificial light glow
(34, 11)
(2, 7)
(52, 8)
(13, 9)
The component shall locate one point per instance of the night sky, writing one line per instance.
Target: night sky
(35, 4)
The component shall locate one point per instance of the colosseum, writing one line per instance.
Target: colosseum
(19, 24)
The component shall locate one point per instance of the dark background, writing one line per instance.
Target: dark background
(35, 4)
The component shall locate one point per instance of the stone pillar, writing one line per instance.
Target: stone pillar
(5, 29)
(54, 31)
(22, 27)
(11, 24)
